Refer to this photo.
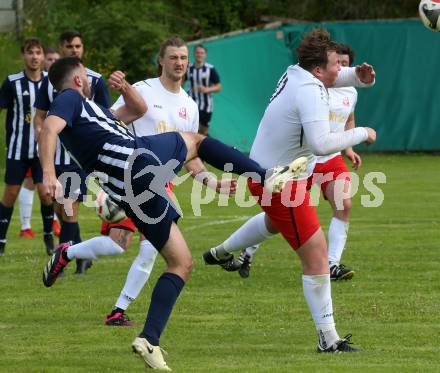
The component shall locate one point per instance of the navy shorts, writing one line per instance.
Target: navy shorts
(74, 181)
(16, 171)
(154, 216)
(204, 118)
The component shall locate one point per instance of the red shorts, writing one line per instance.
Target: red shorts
(28, 172)
(290, 211)
(127, 223)
(333, 169)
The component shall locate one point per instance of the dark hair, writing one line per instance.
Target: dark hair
(61, 70)
(31, 43)
(201, 46)
(49, 50)
(312, 51)
(171, 42)
(69, 35)
(346, 49)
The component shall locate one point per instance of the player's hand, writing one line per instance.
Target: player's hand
(51, 185)
(354, 157)
(365, 73)
(226, 186)
(371, 135)
(117, 81)
(202, 89)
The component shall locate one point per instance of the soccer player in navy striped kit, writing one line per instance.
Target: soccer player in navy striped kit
(141, 165)
(71, 45)
(17, 95)
(204, 80)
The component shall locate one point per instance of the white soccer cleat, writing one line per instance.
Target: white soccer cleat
(283, 174)
(152, 355)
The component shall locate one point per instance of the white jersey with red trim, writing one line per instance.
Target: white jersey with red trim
(342, 104)
(166, 112)
(299, 108)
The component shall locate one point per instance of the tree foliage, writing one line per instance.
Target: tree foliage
(127, 33)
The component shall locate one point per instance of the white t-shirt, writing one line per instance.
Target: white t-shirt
(166, 112)
(342, 104)
(300, 100)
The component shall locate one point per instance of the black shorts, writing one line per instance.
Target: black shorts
(74, 181)
(16, 170)
(154, 216)
(204, 118)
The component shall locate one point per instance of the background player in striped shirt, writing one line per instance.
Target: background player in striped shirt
(26, 196)
(204, 80)
(17, 95)
(71, 45)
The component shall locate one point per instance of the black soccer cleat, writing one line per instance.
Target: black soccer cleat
(49, 243)
(343, 345)
(2, 248)
(82, 265)
(210, 259)
(340, 272)
(245, 268)
(55, 266)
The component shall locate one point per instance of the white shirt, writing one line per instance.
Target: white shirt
(296, 121)
(166, 112)
(342, 104)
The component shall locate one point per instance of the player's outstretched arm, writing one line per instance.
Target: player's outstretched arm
(359, 76)
(134, 106)
(52, 126)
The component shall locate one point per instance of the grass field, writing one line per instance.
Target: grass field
(223, 323)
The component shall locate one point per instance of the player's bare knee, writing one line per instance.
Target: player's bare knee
(192, 142)
(121, 237)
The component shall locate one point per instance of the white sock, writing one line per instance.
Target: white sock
(138, 274)
(337, 236)
(251, 250)
(94, 248)
(251, 233)
(26, 199)
(317, 291)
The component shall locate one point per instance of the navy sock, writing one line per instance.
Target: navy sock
(163, 298)
(5, 219)
(218, 154)
(47, 216)
(68, 232)
(77, 234)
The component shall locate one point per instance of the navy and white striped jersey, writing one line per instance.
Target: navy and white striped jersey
(17, 95)
(205, 76)
(94, 138)
(47, 94)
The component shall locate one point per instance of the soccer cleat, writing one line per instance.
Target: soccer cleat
(27, 233)
(281, 175)
(152, 355)
(245, 268)
(82, 265)
(343, 345)
(2, 248)
(48, 242)
(210, 258)
(55, 265)
(118, 319)
(340, 272)
(56, 228)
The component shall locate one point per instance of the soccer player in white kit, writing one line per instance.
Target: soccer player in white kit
(332, 176)
(170, 108)
(295, 124)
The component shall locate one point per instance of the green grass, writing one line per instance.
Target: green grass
(222, 323)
